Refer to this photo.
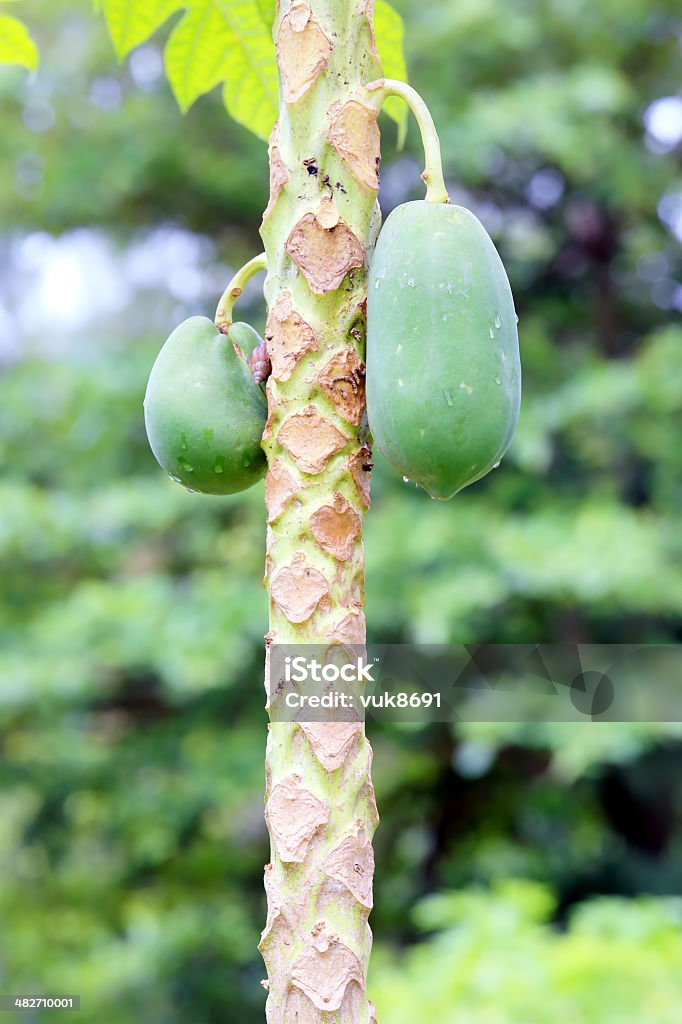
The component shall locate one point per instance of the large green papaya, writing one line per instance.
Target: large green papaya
(203, 410)
(443, 371)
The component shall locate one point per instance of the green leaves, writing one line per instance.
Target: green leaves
(219, 41)
(16, 45)
(230, 42)
(130, 22)
(612, 960)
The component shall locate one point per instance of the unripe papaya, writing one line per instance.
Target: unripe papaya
(204, 412)
(443, 370)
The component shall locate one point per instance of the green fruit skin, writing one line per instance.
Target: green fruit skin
(443, 369)
(204, 412)
(245, 337)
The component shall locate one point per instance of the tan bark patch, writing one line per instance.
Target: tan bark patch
(297, 589)
(300, 13)
(272, 408)
(350, 631)
(327, 213)
(279, 174)
(269, 541)
(310, 439)
(288, 337)
(343, 382)
(302, 51)
(357, 464)
(336, 527)
(352, 863)
(294, 815)
(331, 741)
(369, 14)
(354, 133)
(368, 793)
(299, 1009)
(324, 971)
(275, 918)
(324, 255)
(325, 605)
(280, 488)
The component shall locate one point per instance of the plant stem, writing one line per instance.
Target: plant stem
(436, 191)
(223, 314)
(320, 806)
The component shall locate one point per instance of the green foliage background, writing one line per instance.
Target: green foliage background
(524, 875)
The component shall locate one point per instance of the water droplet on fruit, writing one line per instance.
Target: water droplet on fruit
(445, 318)
(516, 318)
(376, 283)
(175, 479)
(183, 442)
(184, 464)
(411, 282)
(497, 322)
(219, 464)
(448, 397)
(406, 479)
(496, 464)
(491, 333)
(498, 380)
(246, 462)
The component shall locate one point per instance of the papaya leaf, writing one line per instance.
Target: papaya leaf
(131, 22)
(16, 45)
(196, 53)
(267, 10)
(226, 41)
(230, 42)
(390, 32)
(251, 81)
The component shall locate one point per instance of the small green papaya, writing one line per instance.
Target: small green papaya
(443, 370)
(203, 410)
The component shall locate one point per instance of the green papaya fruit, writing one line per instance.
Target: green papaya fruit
(443, 370)
(204, 412)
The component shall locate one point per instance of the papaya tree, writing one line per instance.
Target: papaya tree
(407, 337)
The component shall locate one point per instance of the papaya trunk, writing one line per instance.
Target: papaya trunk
(320, 808)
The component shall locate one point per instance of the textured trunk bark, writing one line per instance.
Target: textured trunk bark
(322, 213)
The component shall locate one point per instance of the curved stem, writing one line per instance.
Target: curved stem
(223, 314)
(436, 191)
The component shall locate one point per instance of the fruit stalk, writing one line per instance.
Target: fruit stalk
(223, 314)
(320, 807)
(432, 175)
